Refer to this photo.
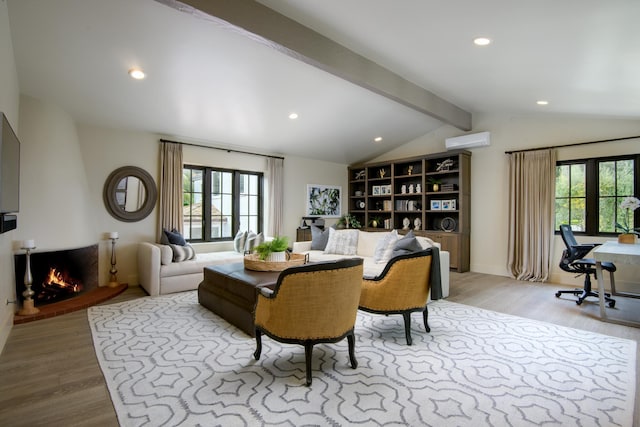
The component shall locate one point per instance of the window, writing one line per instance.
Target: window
(589, 193)
(219, 202)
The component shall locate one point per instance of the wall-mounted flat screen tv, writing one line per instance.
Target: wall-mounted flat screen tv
(9, 168)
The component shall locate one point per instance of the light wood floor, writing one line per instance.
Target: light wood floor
(49, 374)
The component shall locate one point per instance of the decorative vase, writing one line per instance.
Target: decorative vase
(374, 223)
(627, 238)
(436, 187)
(276, 257)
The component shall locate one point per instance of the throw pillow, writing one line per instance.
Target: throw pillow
(385, 247)
(172, 237)
(182, 253)
(342, 242)
(407, 245)
(252, 241)
(319, 238)
(239, 241)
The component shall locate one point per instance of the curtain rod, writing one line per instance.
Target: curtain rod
(571, 145)
(228, 150)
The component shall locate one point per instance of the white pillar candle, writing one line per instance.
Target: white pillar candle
(113, 235)
(28, 244)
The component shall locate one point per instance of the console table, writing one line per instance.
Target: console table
(618, 253)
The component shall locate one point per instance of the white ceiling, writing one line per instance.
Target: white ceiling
(209, 84)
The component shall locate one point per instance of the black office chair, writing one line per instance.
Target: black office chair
(573, 261)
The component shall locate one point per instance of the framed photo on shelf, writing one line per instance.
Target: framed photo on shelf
(435, 205)
(387, 189)
(446, 205)
(324, 200)
(375, 190)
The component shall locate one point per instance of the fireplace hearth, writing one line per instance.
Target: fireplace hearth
(58, 275)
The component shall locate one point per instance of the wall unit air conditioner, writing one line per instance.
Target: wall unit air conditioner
(481, 139)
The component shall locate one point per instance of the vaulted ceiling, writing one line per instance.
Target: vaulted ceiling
(230, 73)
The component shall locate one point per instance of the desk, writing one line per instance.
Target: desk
(618, 253)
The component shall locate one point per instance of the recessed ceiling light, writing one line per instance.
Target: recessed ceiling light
(136, 73)
(481, 41)
(377, 139)
(293, 116)
(542, 102)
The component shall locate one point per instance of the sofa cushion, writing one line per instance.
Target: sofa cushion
(252, 241)
(197, 264)
(367, 241)
(407, 245)
(166, 254)
(385, 247)
(319, 238)
(182, 253)
(342, 242)
(239, 241)
(172, 237)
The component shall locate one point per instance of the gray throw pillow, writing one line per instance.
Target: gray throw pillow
(319, 238)
(407, 245)
(239, 241)
(182, 253)
(252, 241)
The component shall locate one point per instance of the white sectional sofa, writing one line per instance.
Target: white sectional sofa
(366, 246)
(159, 275)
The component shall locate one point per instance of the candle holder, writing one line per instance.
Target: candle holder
(28, 306)
(113, 273)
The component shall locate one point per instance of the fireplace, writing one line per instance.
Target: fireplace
(58, 275)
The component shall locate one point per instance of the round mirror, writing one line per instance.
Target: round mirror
(130, 194)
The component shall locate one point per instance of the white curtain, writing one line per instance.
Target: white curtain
(275, 169)
(171, 215)
(531, 214)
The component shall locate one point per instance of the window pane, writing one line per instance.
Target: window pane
(253, 223)
(227, 204)
(244, 205)
(607, 178)
(607, 214)
(562, 212)
(624, 176)
(227, 182)
(578, 182)
(562, 181)
(578, 214)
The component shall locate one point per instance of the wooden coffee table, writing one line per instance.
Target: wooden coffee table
(230, 291)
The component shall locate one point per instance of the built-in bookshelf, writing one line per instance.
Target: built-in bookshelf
(428, 194)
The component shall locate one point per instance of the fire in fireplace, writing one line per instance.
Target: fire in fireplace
(59, 275)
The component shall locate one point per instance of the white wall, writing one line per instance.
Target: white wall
(489, 176)
(9, 104)
(104, 150)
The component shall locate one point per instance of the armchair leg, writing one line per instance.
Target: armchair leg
(407, 326)
(351, 338)
(425, 316)
(256, 354)
(308, 350)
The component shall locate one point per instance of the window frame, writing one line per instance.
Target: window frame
(207, 172)
(592, 187)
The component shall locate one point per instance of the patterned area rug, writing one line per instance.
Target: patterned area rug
(168, 361)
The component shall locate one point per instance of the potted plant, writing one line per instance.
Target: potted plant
(435, 184)
(274, 250)
(629, 234)
(375, 221)
(348, 221)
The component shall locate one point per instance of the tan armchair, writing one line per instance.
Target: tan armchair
(314, 303)
(402, 288)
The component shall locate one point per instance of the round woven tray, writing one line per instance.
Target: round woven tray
(253, 262)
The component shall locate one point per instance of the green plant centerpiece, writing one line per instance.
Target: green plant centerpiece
(279, 244)
(348, 221)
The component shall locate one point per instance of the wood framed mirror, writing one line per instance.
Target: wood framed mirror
(130, 194)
